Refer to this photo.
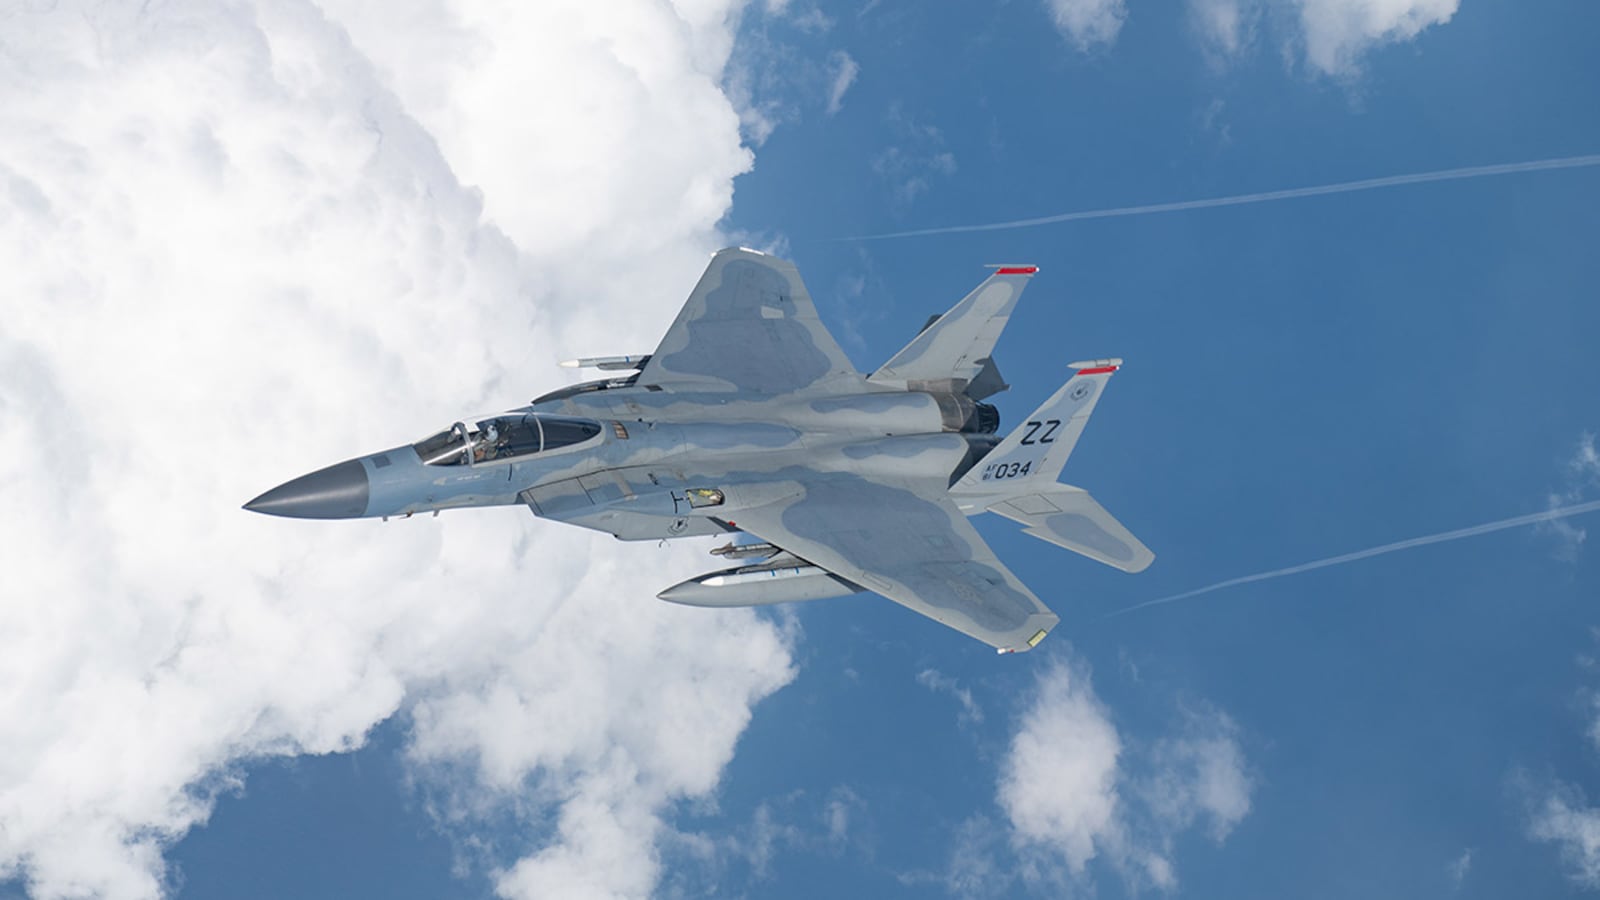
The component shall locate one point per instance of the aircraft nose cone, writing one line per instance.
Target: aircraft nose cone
(337, 492)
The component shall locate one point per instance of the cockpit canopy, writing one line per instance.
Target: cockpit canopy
(503, 437)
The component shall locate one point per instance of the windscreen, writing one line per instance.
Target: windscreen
(503, 437)
(561, 431)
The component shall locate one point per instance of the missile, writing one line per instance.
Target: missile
(1095, 364)
(609, 363)
(759, 585)
(743, 551)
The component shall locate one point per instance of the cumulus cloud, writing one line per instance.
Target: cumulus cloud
(1558, 813)
(1072, 789)
(1087, 23)
(1199, 774)
(1058, 783)
(1338, 32)
(1563, 818)
(244, 240)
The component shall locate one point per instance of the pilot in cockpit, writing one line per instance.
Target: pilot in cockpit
(485, 448)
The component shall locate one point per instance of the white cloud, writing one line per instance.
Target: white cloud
(909, 172)
(1562, 818)
(940, 683)
(1585, 462)
(1457, 869)
(1072, 791)
(784, 826)
(918, 156)
(1338, 32)
(974, 870)
(1088, 23)
(1558, 813)
(842, 804)
(775, 75)
(543, 106)
(805, 17)
(1582, 476)
(244, 241)
(1224, 27)
(1333, 34)
(1199, 774)
(1590, 697)
(1058, 783)
(1593, 700)
(845, 70)
(1569, 537)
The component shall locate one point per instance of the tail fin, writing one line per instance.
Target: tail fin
(1031, 457)
(1017, 479)
(956, 346)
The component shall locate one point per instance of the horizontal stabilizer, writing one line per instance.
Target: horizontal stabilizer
(1068, 517)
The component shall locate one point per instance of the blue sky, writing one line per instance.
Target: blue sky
(1304, 378)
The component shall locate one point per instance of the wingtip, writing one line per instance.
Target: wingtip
(1031, 643)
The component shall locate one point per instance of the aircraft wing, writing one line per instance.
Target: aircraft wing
(921, 553)
(749, 325)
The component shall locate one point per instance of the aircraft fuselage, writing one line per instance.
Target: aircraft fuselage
(648, 465)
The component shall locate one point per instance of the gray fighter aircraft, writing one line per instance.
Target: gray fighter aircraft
(749, 418)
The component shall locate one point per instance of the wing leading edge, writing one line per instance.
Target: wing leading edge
(921, 553)
(749, 325)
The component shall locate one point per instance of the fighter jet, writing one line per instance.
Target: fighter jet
(749, 421)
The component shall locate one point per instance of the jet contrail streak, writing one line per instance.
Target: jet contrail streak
(1343, 187)
(1560, 512)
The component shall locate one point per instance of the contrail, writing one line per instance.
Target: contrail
(1343, 187)
(1560, 512)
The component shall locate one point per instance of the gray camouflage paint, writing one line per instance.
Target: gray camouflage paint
(1083, 530)
(957, 345)
(749, 325)
(895, 523)
(748, 398)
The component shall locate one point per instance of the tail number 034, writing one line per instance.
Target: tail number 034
(997, 471)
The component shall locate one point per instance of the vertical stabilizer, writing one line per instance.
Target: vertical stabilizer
(1017, 479)
(1034, 453)
(955, 349)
